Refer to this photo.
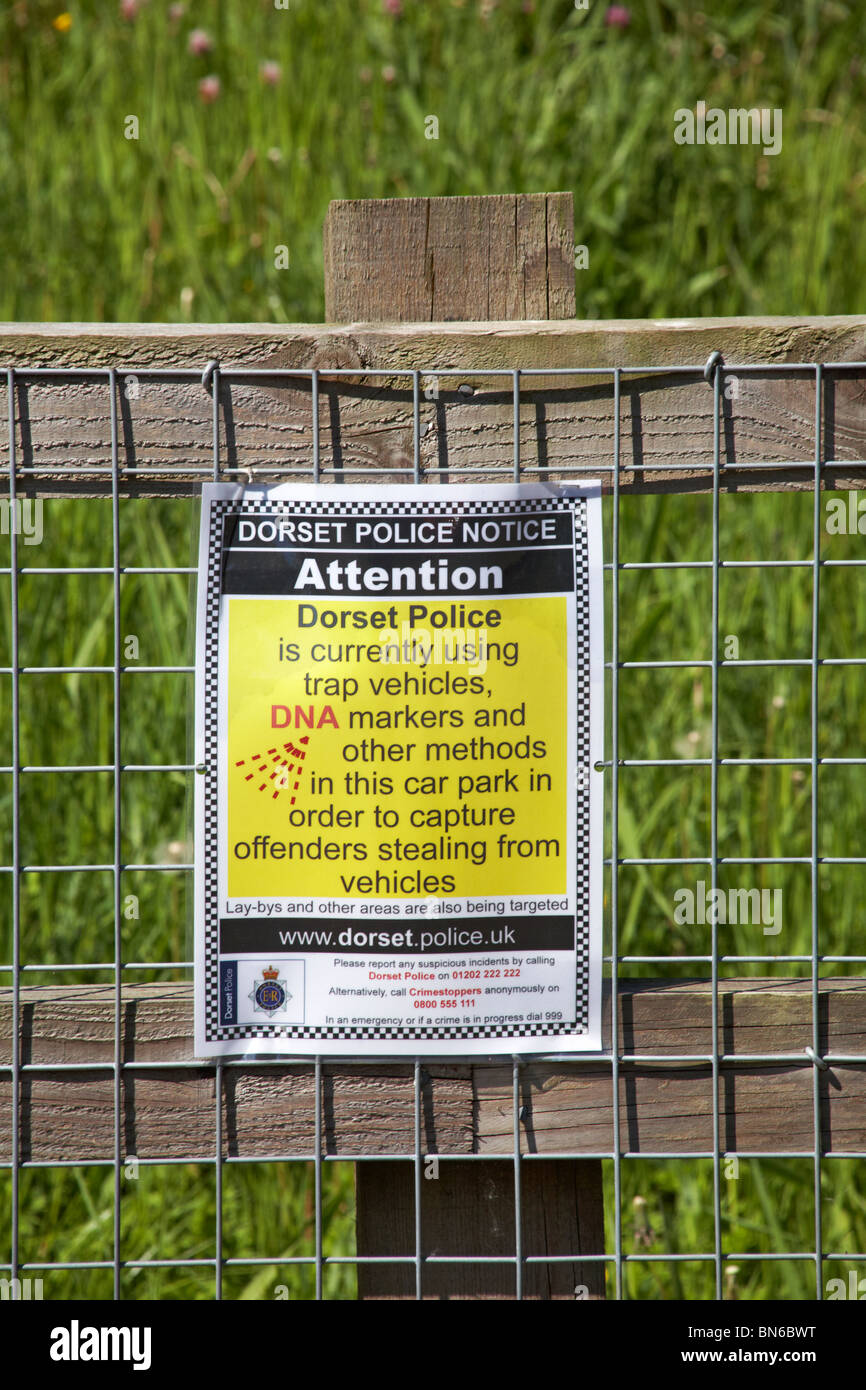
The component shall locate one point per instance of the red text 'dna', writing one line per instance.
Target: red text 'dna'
(303, 716)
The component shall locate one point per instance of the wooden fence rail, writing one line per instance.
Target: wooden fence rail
(366, 423)
(168, 1100)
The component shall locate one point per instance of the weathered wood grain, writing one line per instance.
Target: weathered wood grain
(416, 260)
(566, 425)
(169, 1111)
(668, 1109)
(469, 1206)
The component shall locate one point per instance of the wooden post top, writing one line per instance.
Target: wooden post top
(423, 260)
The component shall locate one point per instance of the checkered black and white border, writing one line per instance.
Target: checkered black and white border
(219, 511)
(308, 506)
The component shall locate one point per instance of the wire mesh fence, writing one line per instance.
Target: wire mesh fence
(732, 852)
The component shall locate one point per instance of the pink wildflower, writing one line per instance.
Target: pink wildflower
(270, 73)
(209, 88)
(200, 42)
(617, 17)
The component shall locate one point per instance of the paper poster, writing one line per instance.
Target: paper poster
(398, 818)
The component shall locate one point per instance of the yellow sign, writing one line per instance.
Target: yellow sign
(398, 821)
(396, 760)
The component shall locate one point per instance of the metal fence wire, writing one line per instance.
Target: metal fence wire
(26, 1259)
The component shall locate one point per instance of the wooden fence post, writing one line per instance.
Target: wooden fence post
(432, 259)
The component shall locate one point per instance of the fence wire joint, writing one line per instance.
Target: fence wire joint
(714, 361)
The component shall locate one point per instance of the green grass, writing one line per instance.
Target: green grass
(168, 1213)
(184, 222)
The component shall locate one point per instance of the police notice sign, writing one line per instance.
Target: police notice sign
(398, 821)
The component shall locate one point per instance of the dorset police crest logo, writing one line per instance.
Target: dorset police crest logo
(270, 994)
